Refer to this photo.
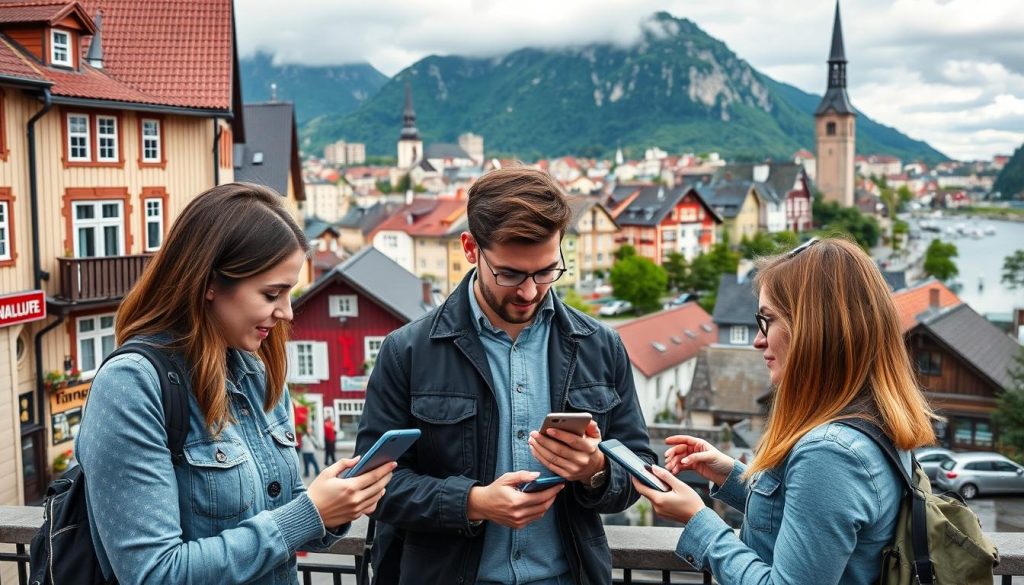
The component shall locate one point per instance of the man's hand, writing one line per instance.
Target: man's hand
(503, 503)
(574, 457)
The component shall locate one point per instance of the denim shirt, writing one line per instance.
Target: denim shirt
(821, 517)
(523, 396)
(234, 512)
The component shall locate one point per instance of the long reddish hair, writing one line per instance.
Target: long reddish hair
(847, 356)
(224, 235)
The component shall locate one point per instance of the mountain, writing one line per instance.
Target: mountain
(1010, 181)
(316, 91)
(678, 88)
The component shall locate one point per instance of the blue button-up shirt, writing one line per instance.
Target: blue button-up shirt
(522, 392)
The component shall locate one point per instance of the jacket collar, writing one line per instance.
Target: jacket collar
(454, 318)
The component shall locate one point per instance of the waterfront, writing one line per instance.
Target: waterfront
(980, 260)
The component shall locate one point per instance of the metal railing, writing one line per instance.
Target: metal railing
(640, 555)
(98, 279)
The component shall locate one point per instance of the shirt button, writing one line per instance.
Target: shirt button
(245, 411)
(689, 559)
(290, 435)
(274, 489)
(520, 434)
(519, 389)
(220, 456)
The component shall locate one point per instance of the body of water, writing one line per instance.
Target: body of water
(981, 260)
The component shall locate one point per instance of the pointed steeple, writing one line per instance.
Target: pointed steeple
(409, 131)
(835, 98)
(95, 55)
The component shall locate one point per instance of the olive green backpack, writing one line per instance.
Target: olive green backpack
(938, 538)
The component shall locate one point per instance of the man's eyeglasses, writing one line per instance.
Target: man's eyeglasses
(511, 278)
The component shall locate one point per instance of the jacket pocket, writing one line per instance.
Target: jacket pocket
(221, 478)
(598, 399)
(285, 444)
(447, 422)
(764, 502)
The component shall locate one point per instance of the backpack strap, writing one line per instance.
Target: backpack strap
(173, 392)
(923, 565)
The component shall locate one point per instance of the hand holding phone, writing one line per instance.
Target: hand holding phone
(636, 466)
(389, 447)
(570, 422)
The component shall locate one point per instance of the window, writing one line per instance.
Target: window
(95, 341)
(106, 139)
(78, 138)
(154, 224)
(307, 362)
(151, 146)
(1004, 466)
(738, 335)
(98, 227)
(343, 306)
(830, 128)
(371, 348)
(5, 230)
(979, 466)
(60, 48)
(929, 363)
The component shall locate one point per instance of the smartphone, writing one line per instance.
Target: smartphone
(572, 422)
(622, 455)
(541, 484)
(389, 447)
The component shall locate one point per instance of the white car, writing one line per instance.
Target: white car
(616, 308)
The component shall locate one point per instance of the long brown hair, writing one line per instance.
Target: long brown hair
(224, 235)
(846, 356)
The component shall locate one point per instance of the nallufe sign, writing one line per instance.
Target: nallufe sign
(22, 308)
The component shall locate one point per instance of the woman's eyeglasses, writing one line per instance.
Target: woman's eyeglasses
(762, 323)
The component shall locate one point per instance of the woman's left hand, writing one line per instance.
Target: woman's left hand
(679, 504)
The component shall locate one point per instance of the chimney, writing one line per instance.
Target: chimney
(760, 173)
(933, 298)
(428, 297)
(408, 196)
(273, 92)
(95, 55)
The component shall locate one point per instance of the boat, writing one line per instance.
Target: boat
(990, 230)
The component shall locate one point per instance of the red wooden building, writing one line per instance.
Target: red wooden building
(340, 323)
(660, 220)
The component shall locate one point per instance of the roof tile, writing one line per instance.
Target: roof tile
(681, 331)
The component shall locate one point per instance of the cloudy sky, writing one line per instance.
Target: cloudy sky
(950, 72)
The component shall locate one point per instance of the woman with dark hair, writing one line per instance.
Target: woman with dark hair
(820, 498)
(235, 510)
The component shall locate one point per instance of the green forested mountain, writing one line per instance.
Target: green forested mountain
(1010, 181)
(316, 91)
(678, 89)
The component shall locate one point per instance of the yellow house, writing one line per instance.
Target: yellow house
(100, 149)
(595, 231)
(416, 236)
(737, 203)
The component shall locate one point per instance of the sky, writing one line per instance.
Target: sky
(950, 72)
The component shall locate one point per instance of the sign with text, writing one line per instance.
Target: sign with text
(22, 307)
(354, 383)
(66, 411)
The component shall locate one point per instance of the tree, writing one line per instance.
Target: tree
(1009, 413)
(676, 268)
(832, 217)
(938, 260)
(573, 299)
(760, 245)
(639, 281)
(706, 268)
(625, 251)
(1013, 270)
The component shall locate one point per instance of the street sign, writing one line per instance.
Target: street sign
(22, 307)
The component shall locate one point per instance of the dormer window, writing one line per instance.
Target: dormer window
(60, 47)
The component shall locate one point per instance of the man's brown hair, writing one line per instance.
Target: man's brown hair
(516, 205)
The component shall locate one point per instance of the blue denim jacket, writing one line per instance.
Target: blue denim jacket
(234, 512)
(821, 517)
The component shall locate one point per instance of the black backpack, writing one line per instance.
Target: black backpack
(62, 551)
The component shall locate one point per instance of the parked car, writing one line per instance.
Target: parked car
(972, 474)
(931, 458)
(685, 298)
(616, 307)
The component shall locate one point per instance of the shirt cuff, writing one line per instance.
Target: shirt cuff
(734, 491)
(700, 532)
(299, 522)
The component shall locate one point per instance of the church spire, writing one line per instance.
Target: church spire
(409, 131)
(835, 98)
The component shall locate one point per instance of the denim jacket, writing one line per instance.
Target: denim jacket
(234, 512)
(821, 517)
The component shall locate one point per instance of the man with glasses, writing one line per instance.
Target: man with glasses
(477, 376)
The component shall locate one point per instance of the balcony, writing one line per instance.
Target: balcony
(108, 278)
(640, 555)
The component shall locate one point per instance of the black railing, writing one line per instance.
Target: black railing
(641, 555)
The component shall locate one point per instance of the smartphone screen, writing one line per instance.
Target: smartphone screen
(635, 465)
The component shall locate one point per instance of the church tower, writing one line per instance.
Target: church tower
(835, 127)
(410, 146)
